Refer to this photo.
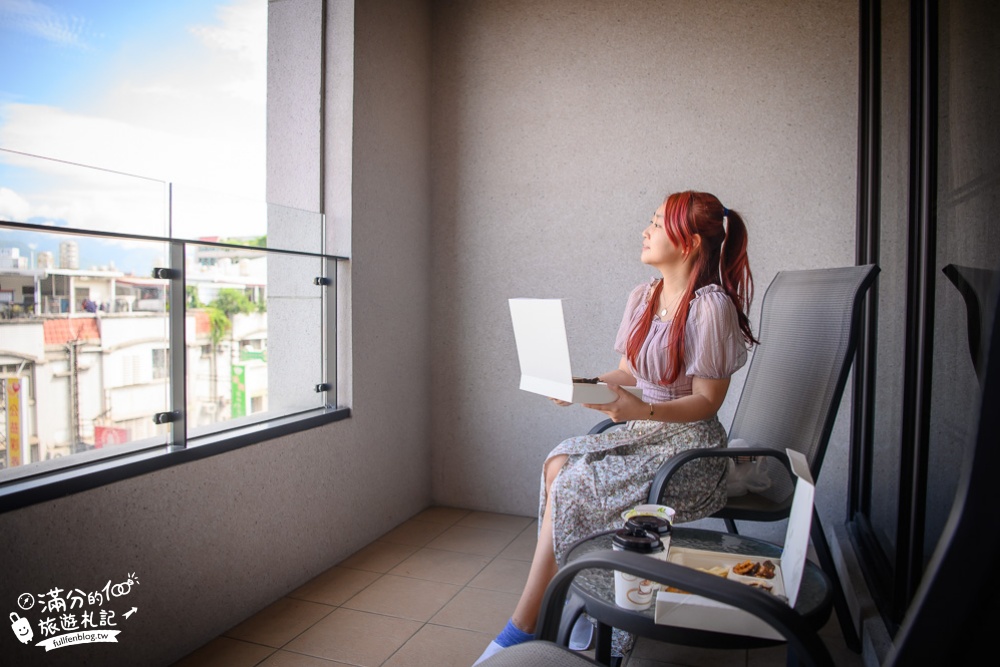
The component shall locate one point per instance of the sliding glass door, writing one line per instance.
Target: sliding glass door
(929, 192)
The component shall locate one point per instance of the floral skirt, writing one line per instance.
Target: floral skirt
(611, 472)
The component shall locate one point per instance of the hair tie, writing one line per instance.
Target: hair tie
(725, 212)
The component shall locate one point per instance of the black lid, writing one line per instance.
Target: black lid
(637, 540)
(655, 524)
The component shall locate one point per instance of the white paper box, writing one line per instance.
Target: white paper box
(694, 611)
(543, 354)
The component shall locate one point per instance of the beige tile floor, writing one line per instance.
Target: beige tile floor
(432, 592)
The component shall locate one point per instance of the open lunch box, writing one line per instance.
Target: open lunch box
(680, 609)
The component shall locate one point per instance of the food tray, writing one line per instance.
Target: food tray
(706, 560)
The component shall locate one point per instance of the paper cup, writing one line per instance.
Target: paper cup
(632, 592)
(658, 525)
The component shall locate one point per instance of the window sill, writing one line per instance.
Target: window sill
(49, 485)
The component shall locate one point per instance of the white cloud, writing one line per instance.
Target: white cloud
(13, 207)
(52, 192)
(107, 143)
(165, 118)
(40, 20)
(57, 192)
(241, 33)
(160, 90)
(243, 29)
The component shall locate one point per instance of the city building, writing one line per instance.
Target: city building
(91, 377)
(69, 255)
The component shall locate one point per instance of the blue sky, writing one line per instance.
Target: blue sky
(69, 51)
(173, 90)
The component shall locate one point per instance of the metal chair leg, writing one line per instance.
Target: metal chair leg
(839, 599)
(602, 650)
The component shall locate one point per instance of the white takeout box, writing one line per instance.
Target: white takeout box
(694, 611)
(543, 354)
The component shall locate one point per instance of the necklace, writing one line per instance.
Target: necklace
(670, 305)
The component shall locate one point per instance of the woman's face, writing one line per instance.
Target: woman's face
(657, 248)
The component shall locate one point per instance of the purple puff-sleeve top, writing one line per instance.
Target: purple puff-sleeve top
(713, 343)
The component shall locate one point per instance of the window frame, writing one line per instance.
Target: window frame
(83, 475)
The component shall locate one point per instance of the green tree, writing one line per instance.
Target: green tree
(232, 301)
(219, 323)
(192, 297)
(253, 242)
(219, 326)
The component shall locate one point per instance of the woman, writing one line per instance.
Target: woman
(681, 338)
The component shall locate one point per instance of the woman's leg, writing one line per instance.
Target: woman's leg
(543, 563)
(543, 567)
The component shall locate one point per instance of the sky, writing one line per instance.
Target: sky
(165, 90)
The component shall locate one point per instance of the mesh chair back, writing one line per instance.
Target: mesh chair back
(808, 335)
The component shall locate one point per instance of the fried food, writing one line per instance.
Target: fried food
(749, 568)
(718, 570)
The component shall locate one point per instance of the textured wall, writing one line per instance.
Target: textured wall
(557, 129)
(216, 540)
(389, 272)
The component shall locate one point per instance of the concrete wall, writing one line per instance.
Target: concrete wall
(557, 129)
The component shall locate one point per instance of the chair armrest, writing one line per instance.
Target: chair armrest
(603, 426)
(673, 464)
(802, 639)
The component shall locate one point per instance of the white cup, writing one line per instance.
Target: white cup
(632, 592)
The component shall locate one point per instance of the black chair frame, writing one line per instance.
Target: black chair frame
(803, 642)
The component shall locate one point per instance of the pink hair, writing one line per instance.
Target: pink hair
(720, 260)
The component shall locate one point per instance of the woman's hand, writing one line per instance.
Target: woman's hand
(558, 402)
(627, 406)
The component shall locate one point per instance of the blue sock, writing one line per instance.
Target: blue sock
(511, 635)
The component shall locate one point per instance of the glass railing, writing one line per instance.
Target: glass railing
(106, 277)
(61, 194)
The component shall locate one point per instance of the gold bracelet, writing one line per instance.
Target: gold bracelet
(650, 410)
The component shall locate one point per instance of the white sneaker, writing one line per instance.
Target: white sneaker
(490, 650)
(582, 634)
